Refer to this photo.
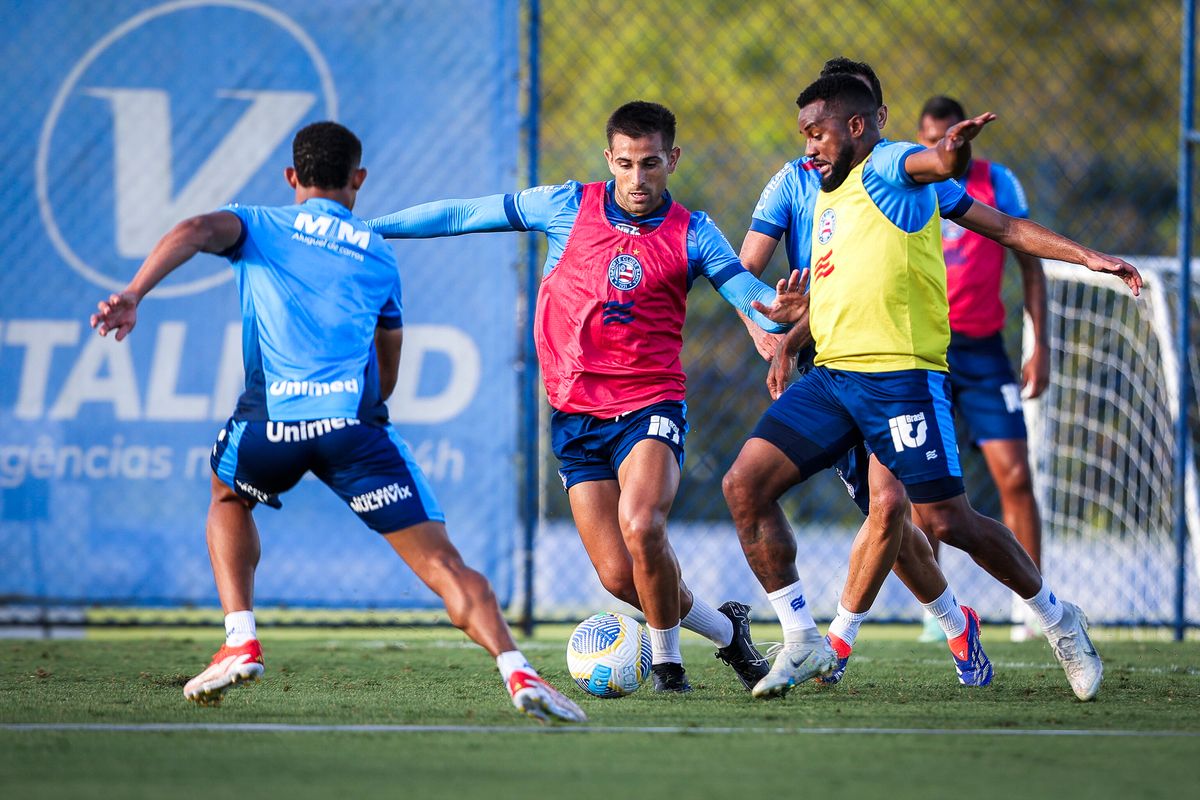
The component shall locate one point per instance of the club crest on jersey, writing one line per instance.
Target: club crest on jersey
(624, 272)
(951, 231)
(826, 225)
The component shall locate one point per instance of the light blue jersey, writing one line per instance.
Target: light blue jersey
(552, 210)
(315, 283)
(785, 207)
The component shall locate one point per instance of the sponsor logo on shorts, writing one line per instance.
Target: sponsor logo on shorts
(253, 491)
(313, 388)
(624, 272)
(373, 501)
(1011, 393)
(306, 429)
(931, 455)
(908, 431)
(663, 427)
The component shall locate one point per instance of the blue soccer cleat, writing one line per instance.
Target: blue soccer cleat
(974, 667)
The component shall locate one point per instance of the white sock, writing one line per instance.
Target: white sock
(239, 628)
(793, 612)
(1045, 607)
(708, 622)
(948, 614)
(664, 645)
(845, 625)
(511, 661)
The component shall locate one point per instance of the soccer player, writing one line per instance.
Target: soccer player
(878, 317)
(985, 390)
(322, 324)
(621, 258)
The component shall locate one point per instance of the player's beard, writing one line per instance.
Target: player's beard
(840, 168)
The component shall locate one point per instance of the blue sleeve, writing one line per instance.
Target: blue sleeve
(953, 200)
(234, 251)
(888, 159)
(450, 218)
(1010, 195)
(773, 213)
(710, 252)
(536, 207)
(391, 316)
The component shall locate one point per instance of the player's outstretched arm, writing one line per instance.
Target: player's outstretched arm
(207, 233)
(783, 363)
(757, 250)
(446, 218)
(1029, 237)
(950, 156)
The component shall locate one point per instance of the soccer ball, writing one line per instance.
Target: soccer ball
(609, 655)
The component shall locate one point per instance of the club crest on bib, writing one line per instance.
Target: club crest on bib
(952, 231)
(624, 272)
(826, 225)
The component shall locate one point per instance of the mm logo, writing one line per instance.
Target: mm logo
(908, 430)
(127, 111)
(824, 266)
(798, 603)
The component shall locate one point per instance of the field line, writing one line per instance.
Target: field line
(272, 727)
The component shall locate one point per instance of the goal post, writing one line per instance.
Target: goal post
(1103, 442)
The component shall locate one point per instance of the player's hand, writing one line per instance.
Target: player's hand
(779, 374)
(1099, 262)
(1035, 373)
(958, 135)
(791, 302)
(117, 313)
(765, 343)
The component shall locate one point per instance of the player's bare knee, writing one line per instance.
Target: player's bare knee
(739, 494)
(645, 535)
(619, 583)
(1015, 480)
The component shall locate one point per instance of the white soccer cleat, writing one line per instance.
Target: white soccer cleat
(795, 663)
(533, 696)
(1074, 650)
(230, 666)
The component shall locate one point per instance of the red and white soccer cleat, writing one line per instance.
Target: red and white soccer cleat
(533, 696)
(229, 666)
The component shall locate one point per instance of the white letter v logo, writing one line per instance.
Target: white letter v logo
(145, 208)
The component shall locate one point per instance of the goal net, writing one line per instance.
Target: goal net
(1103, 444)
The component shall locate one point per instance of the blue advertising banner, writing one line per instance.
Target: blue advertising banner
(123, 118)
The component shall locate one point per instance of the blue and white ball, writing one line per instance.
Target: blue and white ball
(609, 655)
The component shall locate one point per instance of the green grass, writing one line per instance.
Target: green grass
(426, 677)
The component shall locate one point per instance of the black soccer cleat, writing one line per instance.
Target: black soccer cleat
(748, 664)
(670, 677)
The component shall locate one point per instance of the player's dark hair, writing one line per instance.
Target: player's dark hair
(842, 92)
(639, 118)
(325, 154)
(941, 107)
(844, 66)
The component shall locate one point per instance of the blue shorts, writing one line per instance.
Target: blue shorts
(853, 468)
(986, 393)
(903, 417)
(369, 466)
(592, 449)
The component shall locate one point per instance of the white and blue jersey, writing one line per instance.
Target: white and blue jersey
(785, 207)
(315, 283)
(552, 210)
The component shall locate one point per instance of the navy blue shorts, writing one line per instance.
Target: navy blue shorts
(368, 466)
(903, 417)
(986, 393)
(592, 449)
(854, 470)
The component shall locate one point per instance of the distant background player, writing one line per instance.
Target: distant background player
(986, 394)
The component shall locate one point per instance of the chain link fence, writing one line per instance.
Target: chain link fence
(126, 106)
(1087, 98)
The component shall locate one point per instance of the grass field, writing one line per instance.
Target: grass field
(899, 726)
